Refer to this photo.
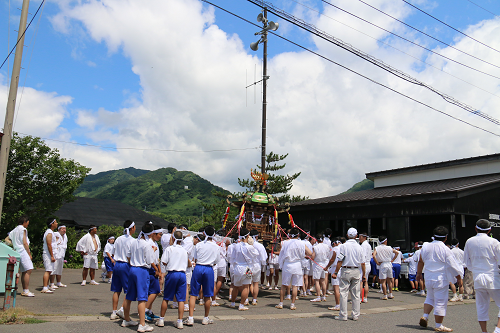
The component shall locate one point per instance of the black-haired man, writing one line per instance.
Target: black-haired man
(89, 246)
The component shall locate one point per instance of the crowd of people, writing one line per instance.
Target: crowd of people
(195, 267)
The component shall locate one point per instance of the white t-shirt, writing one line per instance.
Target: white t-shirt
(459, 255)
(109, 248)
(384, 253)
(141, 253)
(322, 251)
(482, 255)
(17, 238)
(62, 244)
(165, 241)
(122, 247)
(351, 254)
(367, 250)
(175, 258)
(293, 250)
(440, 263)
(245, 254)
(398, 258)
(206, 253)
(54, 243)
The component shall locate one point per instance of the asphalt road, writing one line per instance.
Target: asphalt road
(87, 309)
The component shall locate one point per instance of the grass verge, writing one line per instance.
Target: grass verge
(18, 316)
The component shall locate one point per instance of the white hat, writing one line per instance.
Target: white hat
(352, 232)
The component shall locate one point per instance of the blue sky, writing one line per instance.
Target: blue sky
(98, 76)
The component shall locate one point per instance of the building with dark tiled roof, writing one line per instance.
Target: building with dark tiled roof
(406, 204)
(83, 212)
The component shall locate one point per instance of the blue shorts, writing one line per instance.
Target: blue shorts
(175, 286)
(138, 284)
(120, 277)
(203, 276)
(396, 270)
(154, 283)
(109, 264)
(412, 277)
(373, 265)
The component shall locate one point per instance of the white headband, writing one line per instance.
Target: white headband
(437, 236)
(338, 242)
(112, 237)
(90, 229)
(243, 237)
(52, 222)
(61, 226)
(127, 230)
(145, 234)
(292, 235)
(364, 235)
(479, 228)
(383, 241)
(454, 246)
(157, 231)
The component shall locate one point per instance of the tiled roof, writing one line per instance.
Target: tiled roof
(87, 211)
(439, 186)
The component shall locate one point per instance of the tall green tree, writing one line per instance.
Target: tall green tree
(39, 181)
(277, 185)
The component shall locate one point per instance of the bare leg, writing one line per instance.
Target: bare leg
(244, 293)
(25, 279)
(318, 288)
(141, 309)
(384, 286)
(46, 277)
(282, 292)
(180, 311)
(58, 278)
(323, 284)
(276, 276)
(336, 291)
(255, 290)
(109, 274)
(294, 293)
(428, 308)
(192, 303)
(92, 274)
(116, 296)
(151, 299)
(85, 272)
(51, 279)
(126, 309)
(164, 307)
(208, 303)
(390, 285)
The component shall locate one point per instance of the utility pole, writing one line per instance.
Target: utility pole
(264, 100)
(268, 25)
(11, 103)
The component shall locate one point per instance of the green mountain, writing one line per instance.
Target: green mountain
(165, 190)
(365, 184)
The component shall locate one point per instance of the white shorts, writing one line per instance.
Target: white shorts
(335, 282)
(311, 268)
(305, 270)
(221, 271)
(385, 271)
(276, 267)
(58, 267)
(47, 263)
(215, 274)
(437, 296)
(368, 268)
(268, 271)
(26, 263)
(256, 274)
(294, 279)
(90, 261)
(239, 278)
(318, 272)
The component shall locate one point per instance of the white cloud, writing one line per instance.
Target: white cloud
(335, 125)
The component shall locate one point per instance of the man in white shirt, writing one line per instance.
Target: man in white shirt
(350, 258)
(221, 269)
(482, 257)
(412, 272)
(62, 245)
(122, 267)
(306, 264)
(459, 257)
(331, 267)
(440, 269)
(290, 261)
(89, 246)
(258, 263)
(49, 254)
(416, 258)
(396, 268)
(165, 239)
(321, 253)
(384, 255)
(206, 255)
(367, 250)
(20, 242)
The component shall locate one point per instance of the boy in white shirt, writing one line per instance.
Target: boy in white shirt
(62, 245)
(154, 272)
(384, 255)
(141, 260)
(320, 255)
(109, 261)
(89, 246)
(175, 260)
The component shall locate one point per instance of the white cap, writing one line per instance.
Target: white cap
(352, 232)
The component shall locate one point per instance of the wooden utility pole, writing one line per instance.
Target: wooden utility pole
(11, 103)
(264, 101)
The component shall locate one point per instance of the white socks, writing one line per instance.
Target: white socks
(497, 330)
(426, 316)
(438, 325)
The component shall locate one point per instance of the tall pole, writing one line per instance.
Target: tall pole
(11, 103)
(264, 101)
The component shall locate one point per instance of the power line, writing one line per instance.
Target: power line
(351, 70)
(410, 41)
(146, 149)
(406, 24)
(483, 8)
(41, 4)
(395, 48)
(365, 56)
(450, 26)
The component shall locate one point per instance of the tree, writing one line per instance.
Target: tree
(39, 181)
(278, 185)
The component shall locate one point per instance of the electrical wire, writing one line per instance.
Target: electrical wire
(147, 149)
(24, 32)
(449, 26)
(351, 70)
(483, 8)
(410, 41)
(438, 40)
(365, 56)
(395, 48)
